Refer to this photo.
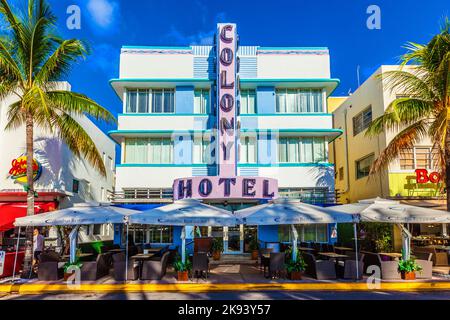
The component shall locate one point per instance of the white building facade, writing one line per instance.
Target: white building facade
(172, 105)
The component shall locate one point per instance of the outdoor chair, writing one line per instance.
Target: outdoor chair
(203, 245)
(264, 262)
(347, 269)
(94, 270)
(50, 268)
(200, 263)
(438, 258)
(371, 259)
(319, 269)
(425, 261)
(154, 269)
(277, 267)
(389, 269)
(119, 268)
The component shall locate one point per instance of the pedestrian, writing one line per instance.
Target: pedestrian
(38, 245)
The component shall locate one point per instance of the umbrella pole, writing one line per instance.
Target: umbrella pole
(126, 256)
(17, 252)
(355, 232)
(183, 245)
(294, 242)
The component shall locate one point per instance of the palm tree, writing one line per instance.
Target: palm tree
(32, 60)
(424, 111)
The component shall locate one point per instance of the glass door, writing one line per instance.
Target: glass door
(233, 239)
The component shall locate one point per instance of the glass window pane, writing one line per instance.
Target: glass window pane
(293, 152)
(166, 151)
(309, 232)
(303, 101)
(143, 101)
(292, 101)
(322, 233)
(198, 101)
(244, 102)
(282, 150)
(407, 159)
(206, 100)
(252, 102)
(307, 150)
(168, 101)
(281, 101)
(423, 158)
(157, 101)
(319, 150)
(132, 101)
(363, 167)
(155, 151)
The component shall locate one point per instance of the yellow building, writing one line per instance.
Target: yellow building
(353, 153)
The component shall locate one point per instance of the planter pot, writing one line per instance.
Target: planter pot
(254, 254)
(216, 255)
(296, 275)
(183, 276)
(67, 275)
(408, 275)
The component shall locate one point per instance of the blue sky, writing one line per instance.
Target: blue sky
(338, 25)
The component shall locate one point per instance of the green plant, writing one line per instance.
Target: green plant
(70, 264)
(217, 245)
(296, 266)
(254, 244)
(408, 266)
(181, 266)
(33, 58)
(377, 237)
(422, 110)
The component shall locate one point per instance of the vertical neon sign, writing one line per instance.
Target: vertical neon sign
(226, 94)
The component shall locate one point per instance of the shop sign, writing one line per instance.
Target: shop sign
(2, 261)
(422, 176)
(18, 171)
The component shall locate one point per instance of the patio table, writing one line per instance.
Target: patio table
(140, 258)
(344, 248)
(333, 255)
(153, 250)
(392, 255)
(116, 251)
(306, 249)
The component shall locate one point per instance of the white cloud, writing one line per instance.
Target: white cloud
(103, 12)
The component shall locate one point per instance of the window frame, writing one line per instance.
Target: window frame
(208, 106)
(363, 125)
(298, 108)
(245, 94)
(149, 107)
(358, 161)
(301, 149)
(432, 161)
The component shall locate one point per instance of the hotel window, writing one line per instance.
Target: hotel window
(151, 101)
(161, 151)
(301, 150)
(362, 120)
(202, 150)
(419, 158)
(201, 101)
(136, 150)
(299, 101)
(159, 234)
(363, 166)
(306, 233)
(248, 151)
(248, 102)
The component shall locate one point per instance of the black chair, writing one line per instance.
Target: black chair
(94, 270)
(50, 267)
(264, 262)
(155, 269)
(319, 269)
(277, 266)
(200, 264)
(120, 265)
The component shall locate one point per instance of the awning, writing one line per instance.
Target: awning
(292, 211)
(10, 211)
(390, 211)
(80, 214)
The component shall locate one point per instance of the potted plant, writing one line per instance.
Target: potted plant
(254, 247)
(68, 265)
(408, 269)
(182, 268)
(296, 268)
(217, 248)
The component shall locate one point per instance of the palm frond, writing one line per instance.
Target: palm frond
(15, 116)
(79, 142)
(79, 104)
(405, 139)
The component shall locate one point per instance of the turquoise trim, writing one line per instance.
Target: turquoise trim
(292, 48)
(248, 80)
(157, 47)
(256, 165)
(154, 131)
(241, 165)
(296, 130)
(303, 114)
(160, 80)
(161, 165)
(163, 115)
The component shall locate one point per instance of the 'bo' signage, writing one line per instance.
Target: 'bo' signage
(423, 177)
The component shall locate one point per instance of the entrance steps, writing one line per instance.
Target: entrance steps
(228, 259)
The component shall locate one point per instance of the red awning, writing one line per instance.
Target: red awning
(9, 211)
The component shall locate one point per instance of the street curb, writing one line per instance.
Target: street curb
(34, 289)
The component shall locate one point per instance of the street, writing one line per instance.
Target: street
(272, 295)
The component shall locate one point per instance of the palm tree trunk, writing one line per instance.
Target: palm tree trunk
(447, 165)
(28, 260)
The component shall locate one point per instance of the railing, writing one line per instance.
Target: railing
(312, 196)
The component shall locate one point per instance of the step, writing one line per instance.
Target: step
(233, 259)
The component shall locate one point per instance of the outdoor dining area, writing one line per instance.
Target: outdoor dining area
(276, 261)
